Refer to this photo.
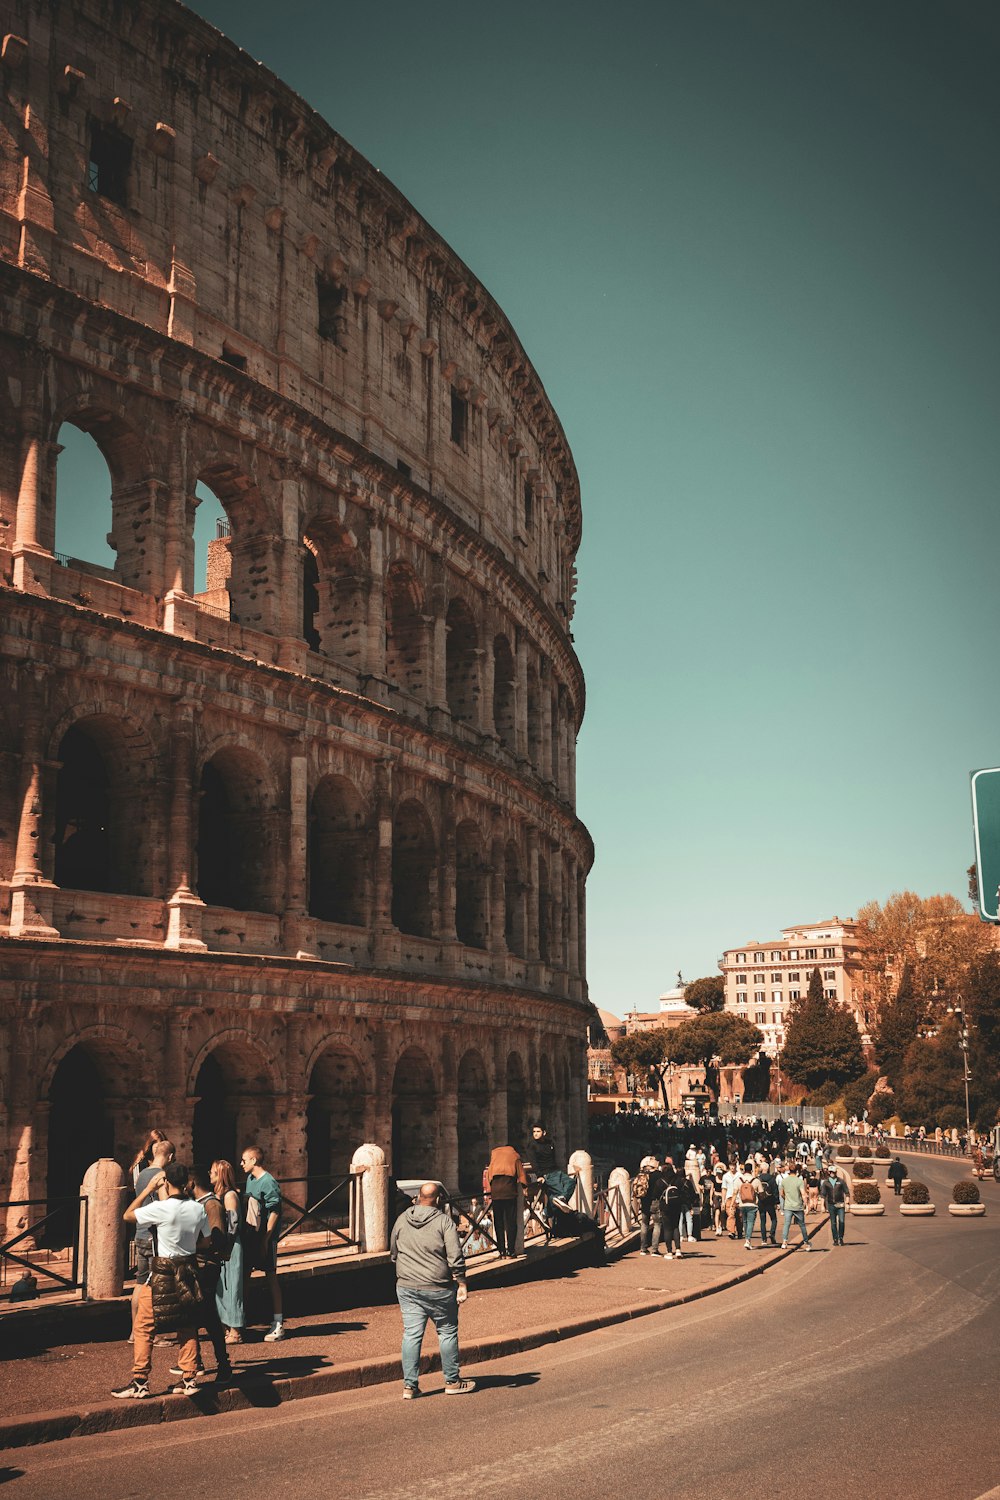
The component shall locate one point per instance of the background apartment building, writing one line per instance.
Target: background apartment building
(763, 980)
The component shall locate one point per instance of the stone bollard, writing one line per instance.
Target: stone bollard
(107, 1199)
(373, 1230)
(582, 1168)
(620, 1201)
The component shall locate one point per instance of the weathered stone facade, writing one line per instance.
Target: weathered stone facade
(292, 855)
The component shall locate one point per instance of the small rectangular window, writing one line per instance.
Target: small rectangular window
(109, 163)
(331, 322)
(404, 469)
(230, 357)
(529, 505)
(829, 953)
(459, 420)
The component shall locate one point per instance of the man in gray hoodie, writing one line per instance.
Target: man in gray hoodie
(430, 1284)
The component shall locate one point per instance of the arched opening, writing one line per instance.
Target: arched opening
(84, 518)
(241, 581)
(81, 1128)
(471, 887)
(341, 609)
(404, 631)
(334, 1119)
(414, 1117)
(516, 1094)
(473, 1122)
(234, 1099)
(513, 898)
(504, 697)
(338, 847)
(412, 871)
(212, 558)
(235, 834)
(462, 663)
(534, 721)
(101, 828)
(310, 599)
(544, 913)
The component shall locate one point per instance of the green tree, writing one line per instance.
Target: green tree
(822, 1042)
(896, 1028)
(931, 1090)
(708, 994)
(646, 1053)
(719, 1034)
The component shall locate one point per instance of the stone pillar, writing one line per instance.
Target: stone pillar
(436, 676)
(382, 1135)
(582, 1168)
(184, 908)
(32, 548)
(620, 1201)
(531, 897)
(498, 907)
(521, 698)
(107, 1199)
(373, 661)
(32, 896)
(446, 868)
(487, 667)
(570, 886)
(557, 954)
(288, 623)
(498, 1094)
(178, 545)
(385, 938)
(373, 1228)
(295, 926)
(545, 693)
(178, 1118)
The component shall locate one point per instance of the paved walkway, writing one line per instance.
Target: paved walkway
(64, 1390)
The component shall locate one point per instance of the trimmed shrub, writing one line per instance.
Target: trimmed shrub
(916, 1192)
(864, 1153)
(863, 1169)
(867, 1192)
(845, 1150)
(882, 1153)
(965, 1191)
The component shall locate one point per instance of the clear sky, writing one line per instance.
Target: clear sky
(752, 250)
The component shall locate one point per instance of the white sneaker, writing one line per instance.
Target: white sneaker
(275, 1332)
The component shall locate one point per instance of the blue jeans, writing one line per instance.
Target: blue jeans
(440, 1305)
(687, 1223)
(749, 1220)
(650, 1229)
(796, 1216)
(837, 1217)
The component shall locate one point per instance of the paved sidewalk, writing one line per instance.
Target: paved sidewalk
(65, 1390)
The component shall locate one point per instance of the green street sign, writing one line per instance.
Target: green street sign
(986, 820)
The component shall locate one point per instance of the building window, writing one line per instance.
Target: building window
(796, 976)
(775, 997)
(404, 468)
(758, 979)
(330, 322)
(230, 357)
(830, 994)
(759, 997)
(760, 1016)
(459, 420)
(829, 973)
(109, 163)
(829, 953)
(810, 953)
(758, 958)
(776, 977)
(741, 979)
(775, 956)
(741, 958)
(795, 994)
(793, 954)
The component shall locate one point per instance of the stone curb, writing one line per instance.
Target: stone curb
(48, 1427)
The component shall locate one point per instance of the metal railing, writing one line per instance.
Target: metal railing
(335, 1213)
(65, 1220)
(612, 1209)
(896, 1143)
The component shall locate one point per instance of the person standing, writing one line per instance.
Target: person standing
(229, 1296)
(749, 1192)
(543, 1152)
(671, 1208)
(262, 1217)
(767, 1203)
(833, 1190)
(430, 1285)
(211, 1259)
(181, 1228)
(792, 1190)
(647, 1190)
(504, 1173)
(896, 1174)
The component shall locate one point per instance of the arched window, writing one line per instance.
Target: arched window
(404, 632)
(504, 698)
(104, 828)
(341, 608)
(471, 887)
(414, 1116)
(337, 854)
(413, 857)
(462, 663)
(513, 893)
(235, 855)
(84, 517)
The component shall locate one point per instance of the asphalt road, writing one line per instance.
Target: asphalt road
(869, 1371)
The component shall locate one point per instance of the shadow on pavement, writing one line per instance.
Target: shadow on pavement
(7, 1474)
(499, 1382)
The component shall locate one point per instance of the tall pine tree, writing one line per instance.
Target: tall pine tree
(822, 1042)
(896, 1029)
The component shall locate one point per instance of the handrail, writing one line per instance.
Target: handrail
(77, 1280)
(309, 1212)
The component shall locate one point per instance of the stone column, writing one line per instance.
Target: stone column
(446, 868)
(373, 661)
(521, 697)
(32, 896)
(385, 938)
(184, 908)
(32, 549)
(487, 668)
(498, 1094)
(570, 886)
(179, 609)
(498, 909)
(105, 1191)
(296, 929)
(178, 1119)
(374, 1227)
(558, 956)
(447, 1113)
(545, 692)
(531, 896)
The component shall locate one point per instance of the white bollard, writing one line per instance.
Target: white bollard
(373, 1231)
(620, 1200)
(581, 1167)
(107, 1199)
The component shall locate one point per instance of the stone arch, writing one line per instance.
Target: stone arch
(233, 1086)
(414, 1115)
(237, 849)
(473, 1121)
(517, 1098)
(471, 886)
(337, 1089)
(504, 693)
(405, 630)
(340, 616)
(513, 899)
(462, 663)
(243, 565)
(110, 529)
(105, 821)
(338, 853)
(413, 870)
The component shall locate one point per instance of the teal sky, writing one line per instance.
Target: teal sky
(752, 250)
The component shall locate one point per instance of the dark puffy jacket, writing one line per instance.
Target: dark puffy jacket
(176, 1294)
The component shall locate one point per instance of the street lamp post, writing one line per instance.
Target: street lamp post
(963, 1042)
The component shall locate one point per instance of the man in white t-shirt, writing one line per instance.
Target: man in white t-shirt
(180, 1227)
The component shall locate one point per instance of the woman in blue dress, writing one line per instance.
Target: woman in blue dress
(229, 1294)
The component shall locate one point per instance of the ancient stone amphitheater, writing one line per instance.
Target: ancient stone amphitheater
(289, 848)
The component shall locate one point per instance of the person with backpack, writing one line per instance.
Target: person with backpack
(834, 1192)
(767, 1203)
(229, 1293)
(211, 1258)
(671, 1207)
(647, 1189)
(748, 1192)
